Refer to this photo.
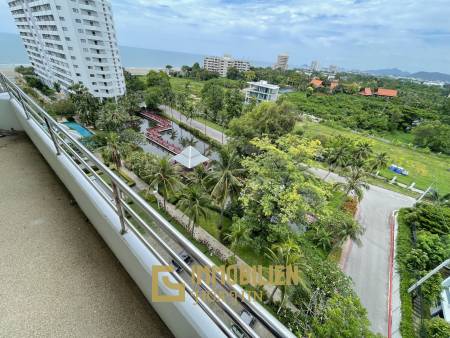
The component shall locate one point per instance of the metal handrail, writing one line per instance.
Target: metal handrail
(63, 142)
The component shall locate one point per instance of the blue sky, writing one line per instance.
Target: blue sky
(362, 34)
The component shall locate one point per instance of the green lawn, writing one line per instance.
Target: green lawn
(424, 168)
(178, 85)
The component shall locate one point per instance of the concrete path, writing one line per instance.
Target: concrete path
(368, 265)
(211, 132)
(58, 278)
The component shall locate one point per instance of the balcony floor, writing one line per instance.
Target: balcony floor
(57, 275)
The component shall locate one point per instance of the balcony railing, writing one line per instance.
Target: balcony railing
(118, 195)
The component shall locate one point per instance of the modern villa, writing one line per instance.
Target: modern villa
(71, 42)
(261, 91)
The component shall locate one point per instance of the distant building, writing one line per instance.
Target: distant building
(334, 84)
(261, 91)
(315, 66)
(220, 65)
(316, 83)
(366, 92)
(282, 62)
(71, 42)
(332, 69)
(386, 92)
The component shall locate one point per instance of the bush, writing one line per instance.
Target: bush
(437, 328)
(404, 246)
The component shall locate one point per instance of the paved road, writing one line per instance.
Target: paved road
(368, 265)
(211, 132)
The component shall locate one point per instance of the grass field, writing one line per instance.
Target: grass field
(424, 168)
(178, 85)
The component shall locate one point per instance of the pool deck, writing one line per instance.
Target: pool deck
(58, 277)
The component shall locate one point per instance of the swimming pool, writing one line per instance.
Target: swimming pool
(78, 128)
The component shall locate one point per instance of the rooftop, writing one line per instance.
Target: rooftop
(263, 83)
(58, 275)
(190, 158)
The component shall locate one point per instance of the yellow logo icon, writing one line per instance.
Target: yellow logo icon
(156, 297)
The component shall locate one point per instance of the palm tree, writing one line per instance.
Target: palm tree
(119, 145)
(286, 254)
(226, 179)
(164, 176)
(361, 153)
(337, 154)
(238, 235)
(194, 203)
(198, 176)
(379, 162)
(354, 182)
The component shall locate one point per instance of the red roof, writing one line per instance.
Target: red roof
(316, 82)
(333, 84)
(386, 92)
(366, 92)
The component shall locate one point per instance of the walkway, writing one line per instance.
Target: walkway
(58, 277)
(211, 132)
(154, 134)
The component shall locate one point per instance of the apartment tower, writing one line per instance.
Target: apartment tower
(71, 41)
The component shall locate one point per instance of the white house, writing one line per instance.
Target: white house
(261, 91)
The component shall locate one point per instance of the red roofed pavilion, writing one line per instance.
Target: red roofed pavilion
(386, 92)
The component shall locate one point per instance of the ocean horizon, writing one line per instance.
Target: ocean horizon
(14, 54)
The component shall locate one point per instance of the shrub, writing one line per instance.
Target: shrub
(437, 328)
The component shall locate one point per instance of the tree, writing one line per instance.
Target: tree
(437, 328)
(434, 135)
(63, 107)
(226, 179)
(194, 203)
(86, 105)
(113, 117)
(153, 97)
(379, 161)
(266, 119)
(119, 145)
(165, 177)
(344, 317)
(233, 74)
(212, 96)
(285, 254)
(233, 103)
(354, 182)
(336, 153)
(237, 237)
(133, 83)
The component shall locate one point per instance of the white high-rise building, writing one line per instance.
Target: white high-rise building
(315, 66)
(71, 41)
(220, 65)
(282, 62)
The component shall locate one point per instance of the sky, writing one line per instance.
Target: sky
(412, 35)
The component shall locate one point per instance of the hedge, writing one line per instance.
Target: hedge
(404, 246)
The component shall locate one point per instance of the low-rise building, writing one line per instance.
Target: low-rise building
(221, 64)
(261, 91)
(386, 92)
(316, 83)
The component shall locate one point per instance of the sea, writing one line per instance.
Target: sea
(13, 53)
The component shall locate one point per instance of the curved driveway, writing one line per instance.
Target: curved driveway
(368, 264)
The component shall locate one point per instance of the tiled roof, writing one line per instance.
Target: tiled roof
(386, 92)
(366, 92)
(316, 82)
